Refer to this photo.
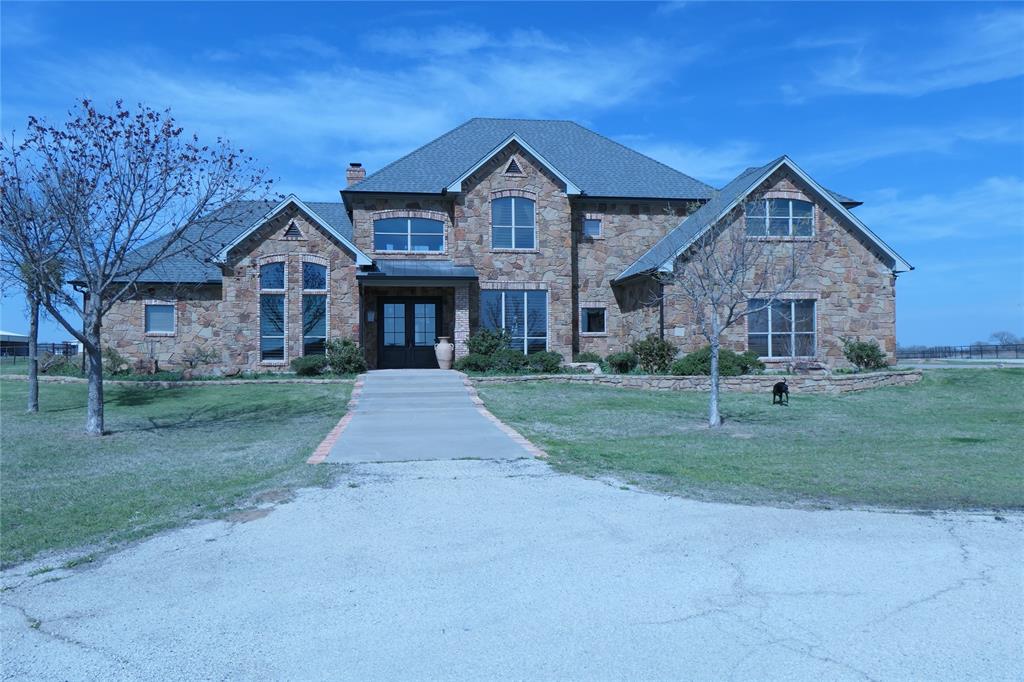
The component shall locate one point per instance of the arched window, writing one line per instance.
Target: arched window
(314, 308)
(272, 312)
(408, 234)
(780, 218)
(513, 223)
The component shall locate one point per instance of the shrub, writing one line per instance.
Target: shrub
(864, 354)
(544, 361)
(197, 355)
(344, 356)
(730, 363)
(623, 362)
(114, 362)
(588, 357)
(508, 361)
(654, 354)
(309, 365)
(488, 342)
(474, 362)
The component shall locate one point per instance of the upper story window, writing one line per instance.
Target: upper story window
(513, 223)
(272, 276)
(408, 234)
(780, 218)
(314, 276)
(592, 227)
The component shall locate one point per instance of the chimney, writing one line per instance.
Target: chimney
(354, 173)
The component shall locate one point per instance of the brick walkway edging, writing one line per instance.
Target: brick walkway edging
(324, 449)
(508, 430)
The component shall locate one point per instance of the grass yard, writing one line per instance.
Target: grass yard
(954, 440)
(173, 455)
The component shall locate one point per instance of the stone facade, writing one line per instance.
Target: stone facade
(851, 280)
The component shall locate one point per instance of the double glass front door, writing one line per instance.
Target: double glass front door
(408, 330)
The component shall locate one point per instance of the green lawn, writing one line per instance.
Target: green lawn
(955, 440)
(172, 455)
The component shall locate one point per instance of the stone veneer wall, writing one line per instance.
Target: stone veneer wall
(849, 279)
(628, 229)
(226, 317)
(831, 384)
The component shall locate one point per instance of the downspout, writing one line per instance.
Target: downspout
(661, 310)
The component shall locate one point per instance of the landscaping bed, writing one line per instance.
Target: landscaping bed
(172, 455)
(949, 441)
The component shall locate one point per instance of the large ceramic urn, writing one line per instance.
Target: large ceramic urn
(445, 351)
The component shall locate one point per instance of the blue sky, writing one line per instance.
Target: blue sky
(915, 109)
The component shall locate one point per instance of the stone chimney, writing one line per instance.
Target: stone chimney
(354, 173)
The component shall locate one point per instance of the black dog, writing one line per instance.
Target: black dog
(780, 391)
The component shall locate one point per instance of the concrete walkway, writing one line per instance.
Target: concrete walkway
(414, 414)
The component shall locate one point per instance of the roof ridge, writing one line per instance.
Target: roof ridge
(635, 151)
(403, 158)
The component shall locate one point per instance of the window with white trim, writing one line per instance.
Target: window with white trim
(159, 318)
(783, 329)
(591, 227)
(523, 314)
(780, 218)
(272, 277)
(408, 234)
(593, 320)
(513, 223)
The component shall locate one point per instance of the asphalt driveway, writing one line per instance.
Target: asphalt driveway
(491, 569)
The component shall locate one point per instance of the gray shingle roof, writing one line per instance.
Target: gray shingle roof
(599, 166)
(694, 223)
(207, 237)
(400, 268)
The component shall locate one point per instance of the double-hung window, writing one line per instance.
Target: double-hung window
(523, 314)
(408, 234)
(781, 330)
(272, 312)
(780, 218)
(513, 223)
(314, 308)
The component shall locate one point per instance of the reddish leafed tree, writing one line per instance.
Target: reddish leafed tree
(108, 183)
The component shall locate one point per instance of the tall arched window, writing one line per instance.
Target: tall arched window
(272, 312)
(513, 223)
(314, 308)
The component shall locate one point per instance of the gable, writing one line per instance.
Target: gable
(663, 254)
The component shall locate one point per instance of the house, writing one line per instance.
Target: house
(543, 228)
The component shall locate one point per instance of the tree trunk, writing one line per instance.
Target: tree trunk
(714, 416)
(94, 369)
(33, 353)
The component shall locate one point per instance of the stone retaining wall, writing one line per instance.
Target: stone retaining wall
(761, 383)
(175, 384)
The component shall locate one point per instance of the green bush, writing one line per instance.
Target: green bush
(344, 356)
(309, 365)
(864, 354)
(654, 354)
(588, 357)
(488, 342)
(730, 363)
(623, 362)
(114, 362)
(508, 361)
(544, 361)
(474, 362)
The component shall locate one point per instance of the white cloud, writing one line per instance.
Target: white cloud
(989, 210)
(988, 48)
(917, 140)
(713, 164)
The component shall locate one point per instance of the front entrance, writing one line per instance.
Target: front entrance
(409, 327)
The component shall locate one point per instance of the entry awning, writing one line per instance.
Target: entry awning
(387, 271)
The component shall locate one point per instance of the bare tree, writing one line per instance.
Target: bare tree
(724, 275)
(124, 192)
(27, 244)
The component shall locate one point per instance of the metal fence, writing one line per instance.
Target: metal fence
(975, 352)
(13, 352)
